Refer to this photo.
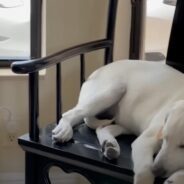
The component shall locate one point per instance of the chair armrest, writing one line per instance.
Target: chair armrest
(35, 65)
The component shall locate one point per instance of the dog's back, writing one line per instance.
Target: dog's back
(150, 87)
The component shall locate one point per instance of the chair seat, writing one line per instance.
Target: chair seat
(84, 151)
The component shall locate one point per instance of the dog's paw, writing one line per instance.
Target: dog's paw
(63, 132)
(176, 178)
(111, 149)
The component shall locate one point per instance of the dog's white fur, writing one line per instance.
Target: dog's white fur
(147, 100)
(176, 178)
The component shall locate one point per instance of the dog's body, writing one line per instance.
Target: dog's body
(140, 96)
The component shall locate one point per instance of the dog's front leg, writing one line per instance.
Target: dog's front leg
(143, 149)
(64, 130)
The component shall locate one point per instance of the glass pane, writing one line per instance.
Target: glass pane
(158, 27)
(14, 29)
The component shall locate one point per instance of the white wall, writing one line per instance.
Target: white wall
(68, 22)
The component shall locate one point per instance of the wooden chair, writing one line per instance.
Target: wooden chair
(83, 154)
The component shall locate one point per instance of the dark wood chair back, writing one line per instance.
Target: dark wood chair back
(175, 54)
(41, 153)
(32, 67)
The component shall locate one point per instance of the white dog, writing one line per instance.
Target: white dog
(145, 99)
(176, 178)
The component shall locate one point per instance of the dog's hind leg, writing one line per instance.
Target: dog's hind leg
(106, 136)
(93, 100)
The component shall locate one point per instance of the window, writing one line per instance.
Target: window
(19, 28)
(158, 26)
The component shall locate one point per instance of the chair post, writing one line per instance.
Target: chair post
(33, 106)
(136, 29)
(34, 77)
(58, 93)
(36, 32)
(175, 56)
(111, 29)
(82, 69)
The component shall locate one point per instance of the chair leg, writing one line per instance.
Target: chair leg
(35, 171)
(31, 169)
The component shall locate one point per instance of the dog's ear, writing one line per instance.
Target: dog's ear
(159, 134)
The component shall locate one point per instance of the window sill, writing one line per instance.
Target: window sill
(6, 72)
